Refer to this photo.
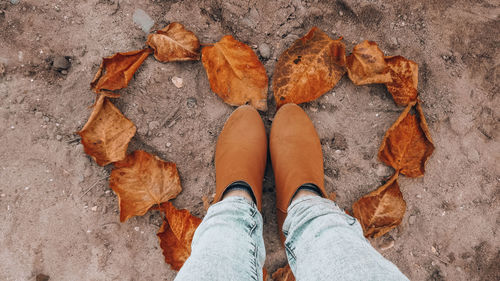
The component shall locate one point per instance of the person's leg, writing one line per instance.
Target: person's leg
(228, 244)
(322, 242)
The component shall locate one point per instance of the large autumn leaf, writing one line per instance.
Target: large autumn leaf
(106, 134)
(309, 68)
(235, 73)
(141, 181)
(283, 274)
(176, 234)
(404, 76)
(366, 64)
(117, 70)
(381, 210)
(407, 144)
(174, 43)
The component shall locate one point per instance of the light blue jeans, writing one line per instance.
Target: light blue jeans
(322, 243)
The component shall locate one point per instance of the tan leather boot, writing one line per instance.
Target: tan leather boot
(241, 153)
(296, 156)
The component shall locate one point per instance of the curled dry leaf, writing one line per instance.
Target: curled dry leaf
(106, 134)
(366, 64)
(309, 68)
(142, 180)
(404, 75)
(381, 210)
(235, 73)
(283, 274)
(176, 234)
(117, 70)
(174, 43)
(407, 144)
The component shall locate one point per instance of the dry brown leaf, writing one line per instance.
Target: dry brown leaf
(381, 210)
(283, 274)
(106, 134)
(407, 144)
(235, 73)
(404, 75)
(176, 234)
(366, 64)
(174, 43)
(117, 70)
(141, 181)
(309, 68)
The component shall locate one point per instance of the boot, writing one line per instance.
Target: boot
(241, 154)
(296, 157)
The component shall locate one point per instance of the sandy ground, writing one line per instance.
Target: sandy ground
(59, 218)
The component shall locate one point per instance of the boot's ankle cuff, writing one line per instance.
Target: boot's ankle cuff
(309, 187)
(241, 185)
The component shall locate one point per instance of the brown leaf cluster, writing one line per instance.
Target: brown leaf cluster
(368, 65)
(309, 68)
(380, 210)
(176, 234)
(141, 181)
(406, 147)
(235, 73)
(313, 65)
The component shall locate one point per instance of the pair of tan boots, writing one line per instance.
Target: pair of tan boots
(241, 155)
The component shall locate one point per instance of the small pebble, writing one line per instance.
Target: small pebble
(341, 13)
(191, 102)
(59, 137)
(2, 69)
(387, 244)
(313, 109)
(14, 2)
(382, 170)
(168, 144)
(26, 187)
(434, 251)
(177, 81)
(411, 219)
(136, 228)
(2, 195)
(60, 63)
(143, 20)
(94, 209)
(64, 72)
(42, 277)
(265, 50)
(153, 125)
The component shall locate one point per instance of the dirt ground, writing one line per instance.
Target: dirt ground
(59, 218)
